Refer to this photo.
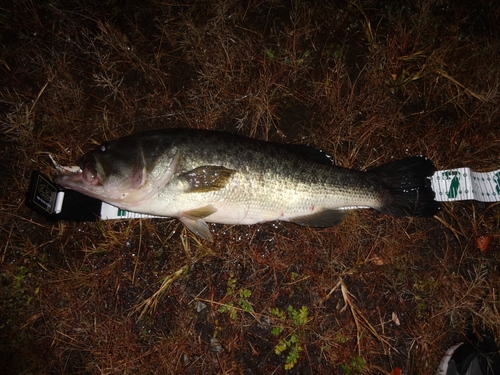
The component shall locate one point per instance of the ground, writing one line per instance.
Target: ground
(368, 81)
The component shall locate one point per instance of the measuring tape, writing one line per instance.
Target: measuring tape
(463, 184)
(449, 185)
(59, 204)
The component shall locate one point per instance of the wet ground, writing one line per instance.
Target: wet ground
(368, 82)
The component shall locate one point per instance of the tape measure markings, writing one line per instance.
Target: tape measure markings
(463, 184)
(449, 185)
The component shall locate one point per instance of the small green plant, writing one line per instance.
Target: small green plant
(356, 365)
(242, 296)
(270, 54)
(297, 319)
(341, 338)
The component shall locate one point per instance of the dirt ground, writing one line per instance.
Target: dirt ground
(368, 81)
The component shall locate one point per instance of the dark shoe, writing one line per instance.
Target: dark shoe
(468, 359)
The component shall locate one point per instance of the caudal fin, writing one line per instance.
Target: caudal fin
(406, 188)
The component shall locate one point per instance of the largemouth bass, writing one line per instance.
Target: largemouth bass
(200, 176)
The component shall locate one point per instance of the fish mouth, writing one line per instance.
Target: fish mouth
(69, 180)
(89, 171)
(85, 176)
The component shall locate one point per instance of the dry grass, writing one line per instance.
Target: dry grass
(368, 81)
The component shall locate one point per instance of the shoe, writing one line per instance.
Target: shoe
(468, 359)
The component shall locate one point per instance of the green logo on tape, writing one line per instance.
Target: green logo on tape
(496, 178)
(455, 183)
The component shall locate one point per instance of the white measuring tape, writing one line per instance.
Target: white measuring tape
(109, 212)
(463, 184)
(449, 185)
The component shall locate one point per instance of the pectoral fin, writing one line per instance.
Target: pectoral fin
(206, 178)
(193, 220)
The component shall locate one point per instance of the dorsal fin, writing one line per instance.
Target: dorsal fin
(312, 152)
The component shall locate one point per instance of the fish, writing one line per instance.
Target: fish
(206, 176)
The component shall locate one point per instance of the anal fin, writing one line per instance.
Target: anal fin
(325, 218)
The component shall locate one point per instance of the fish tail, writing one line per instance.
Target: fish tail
(406, 187)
